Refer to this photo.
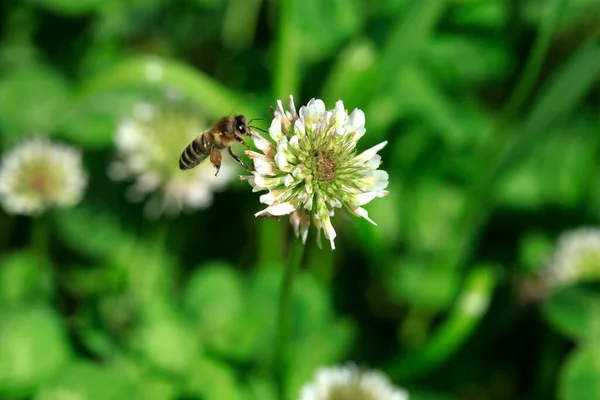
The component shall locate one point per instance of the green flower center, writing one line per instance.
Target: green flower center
(353, 391)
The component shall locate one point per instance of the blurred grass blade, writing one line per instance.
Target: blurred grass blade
(241, 20)
(214, 98)
(409, 35)
(471, 305)
(560, 96)
(287, 58)
(353, 76)
(536, 59)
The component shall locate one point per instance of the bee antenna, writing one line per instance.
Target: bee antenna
(256, 119)
(258, 129)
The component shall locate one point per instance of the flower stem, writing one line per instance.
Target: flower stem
(283, 318)
(39, 239)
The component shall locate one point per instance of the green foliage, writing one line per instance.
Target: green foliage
(490, 111)
(34, 349)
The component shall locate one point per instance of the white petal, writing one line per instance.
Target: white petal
(368, 154)
(278, 209)
(340, 113)
(288, 180)
(374, 162)
(360, 132)
(275, 129)
(363, 198)
(300, 127)
(263, 167)
(281, 161)
(356, 119)
(269, 198)
(294, 141)
(361, 212)
(329, 231)
(261, 143)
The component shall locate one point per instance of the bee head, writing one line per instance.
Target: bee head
(241, 125)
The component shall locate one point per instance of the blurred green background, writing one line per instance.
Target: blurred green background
(491, 111)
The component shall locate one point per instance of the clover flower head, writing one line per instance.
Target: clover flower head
(149, 144)
(313, 167)
(575, 258)
(38, 175)
(351, 383)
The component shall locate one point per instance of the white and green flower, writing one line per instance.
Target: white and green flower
(149, 144)
(38, 175)
(351, 383)
(313, 167)
(576, 257)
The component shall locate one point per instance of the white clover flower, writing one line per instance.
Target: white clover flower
(351, 383)
(314, 168)
(576, 257)
(149, 144)
(38, 175)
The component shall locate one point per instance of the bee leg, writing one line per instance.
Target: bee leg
(236, 158)
(239, 139)
(215, 159)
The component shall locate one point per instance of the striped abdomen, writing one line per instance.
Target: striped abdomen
(195, 153)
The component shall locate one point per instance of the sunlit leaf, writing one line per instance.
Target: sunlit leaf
(580, 377)
(24, 277)
(572, 310)
(85, 380)
(34, 349)
(31, 99)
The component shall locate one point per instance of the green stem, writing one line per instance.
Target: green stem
(285, 83)
(39, 239)
(271, 242)
(283, 318)
(469, 309)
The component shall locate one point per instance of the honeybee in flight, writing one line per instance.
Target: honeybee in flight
(225, 133)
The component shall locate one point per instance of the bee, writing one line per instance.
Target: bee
(225, 133)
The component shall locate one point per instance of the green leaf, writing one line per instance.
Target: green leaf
(534, 250)
(466, 61)
(573, 310)
(430, 214)
(31, 99)
(167, 342)
(328, 344)
(317, 36)
(422, 282)
(24, 277)
(213, 98)
(93, 123)
(214, 297)
(69, 7)
(580, 375)
(210, 379)
(34, 349)
(84, 380)
(144, 265)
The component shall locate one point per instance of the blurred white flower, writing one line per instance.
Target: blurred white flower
(351, 383)
(314, 168)
(38, 175)
(149, 144)
(576, 258)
